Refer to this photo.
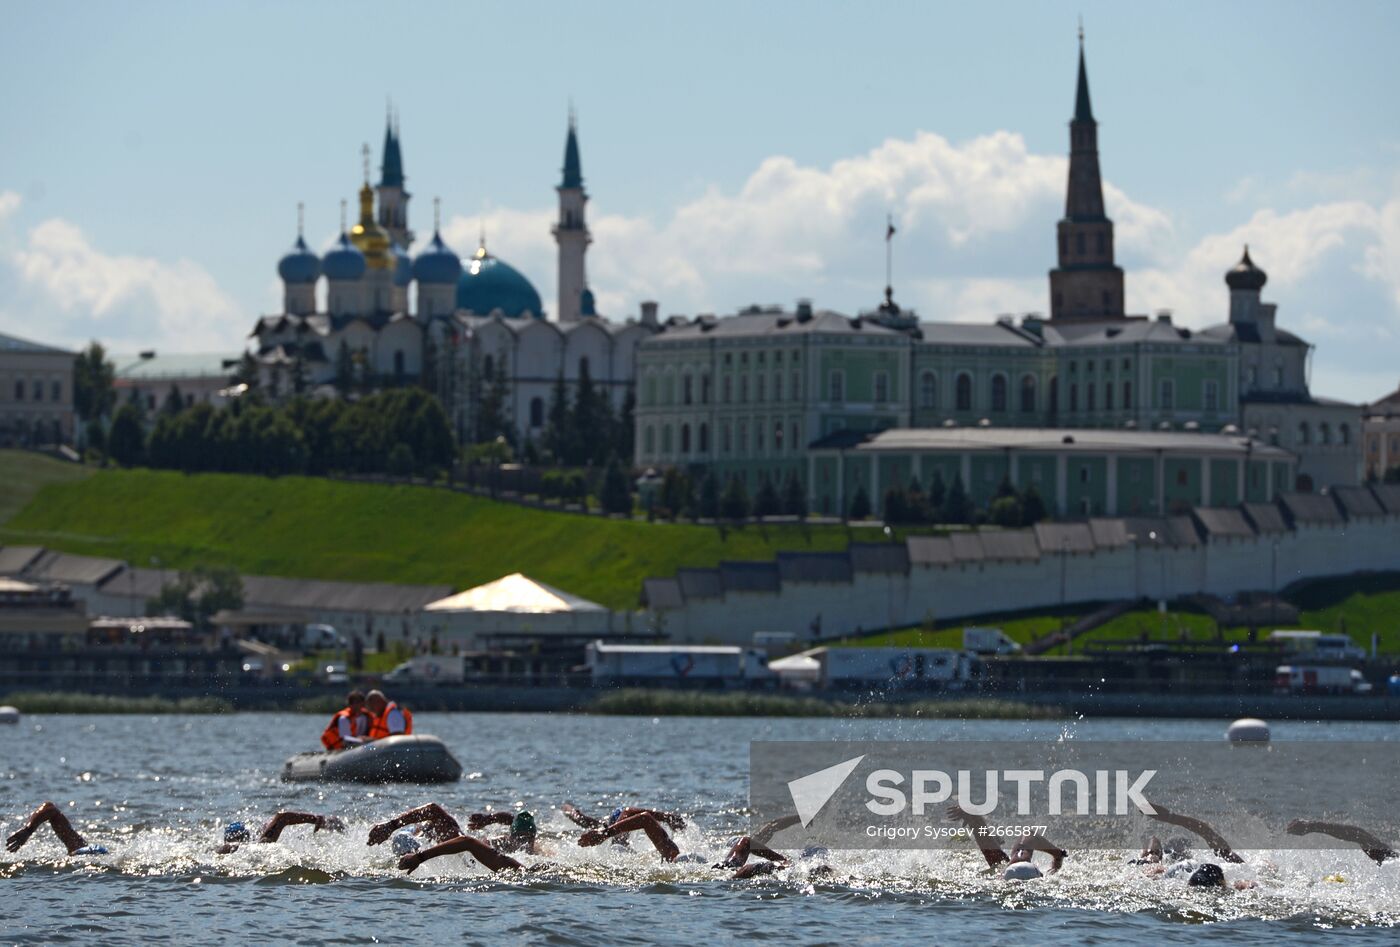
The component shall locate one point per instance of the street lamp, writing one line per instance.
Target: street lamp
(1273, 580)
(1162, 579)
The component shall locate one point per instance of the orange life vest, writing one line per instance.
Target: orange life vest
(330, 739)
(379, 729)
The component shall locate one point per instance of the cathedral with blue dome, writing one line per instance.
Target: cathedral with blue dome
(371, 313)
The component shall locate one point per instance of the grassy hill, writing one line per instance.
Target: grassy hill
(23, 474)
(315, 528)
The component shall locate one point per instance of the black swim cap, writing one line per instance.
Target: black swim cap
(1207, 876)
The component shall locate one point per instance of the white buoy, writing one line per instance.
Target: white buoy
(1248, 730)
(9, 715)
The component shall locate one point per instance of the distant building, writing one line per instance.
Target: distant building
(36, 393)
(148, 379)
(1381, 433)
(747, 394)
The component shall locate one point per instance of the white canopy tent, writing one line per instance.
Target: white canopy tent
(515, 606)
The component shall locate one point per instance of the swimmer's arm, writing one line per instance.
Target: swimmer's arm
(768, 853)
(766, 831)
(1377, 850)
(985, 844)
(54, 816)
(644, 821)
(1039, 843)
(1214, 839)
(480, 820)
(675, 821)
(483, 853)
(441, 825)
(580, 818)
(272, 831)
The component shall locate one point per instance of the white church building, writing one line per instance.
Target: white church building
(471, 318)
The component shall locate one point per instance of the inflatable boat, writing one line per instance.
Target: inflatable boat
(419, 758)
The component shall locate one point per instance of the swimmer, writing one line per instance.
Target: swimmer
(1019, 866)
(1157, 852)
(522, 834)
(53, 815)
(1207, 875)
(484, 853)
(737, 858)
(1375, 849)
(585, 821)
(438, 825)
(236, 833)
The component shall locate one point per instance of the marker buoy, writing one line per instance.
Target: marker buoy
(1248, 730)
(9, 715)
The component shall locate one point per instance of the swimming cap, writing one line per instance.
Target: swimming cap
(815, 851)
(236, 832)
(91, 850)
(404, 842)
(1021, 871)
(522, 824)
(1207, 876)
(616, 814)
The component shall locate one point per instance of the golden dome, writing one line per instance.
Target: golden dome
(371, 239)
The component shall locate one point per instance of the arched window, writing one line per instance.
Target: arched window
(536, 412)
(582, 365)
(724, 442)
(1344, 434)
(1108, 396)
(758, 387)
(686, 390)
(743, 389)
(725, 389)
(666, 439)
(778, 436)
(488, 366)
(928, 390)
(999, 392)
(1027, 394)
(648, 439)
(743, 437)
(705, 388)
(795, 385)
(778, 385)
(796, 440)
(685, 438)
(963, 396)
(1127, 395)
(1090, 392)
(1054, 394)
(704, 438)
(1324, 433)
(1303, 434)
(398, 363)
(1074, 396)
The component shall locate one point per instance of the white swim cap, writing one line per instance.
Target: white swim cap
(1021, 871)
(404, 842)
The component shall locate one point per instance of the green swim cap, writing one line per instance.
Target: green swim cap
(522, 824)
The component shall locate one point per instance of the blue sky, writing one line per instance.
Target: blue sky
(155, 152)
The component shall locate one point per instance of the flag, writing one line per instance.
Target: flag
(889, 230)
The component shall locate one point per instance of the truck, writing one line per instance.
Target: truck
(844, 667)
(430, 669)
(318, 637)
(1320, 679)
(1317, 645)
(715, 664)
(989, 641)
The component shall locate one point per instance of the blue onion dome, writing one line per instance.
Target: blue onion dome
(437, 263)
(1245, 275)
(300, 265)
(488, 284)
(344, 261)
(403, 266)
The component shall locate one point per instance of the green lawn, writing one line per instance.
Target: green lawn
(22, 474)
(316, 528)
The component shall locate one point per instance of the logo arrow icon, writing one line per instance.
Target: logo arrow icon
(811, 792)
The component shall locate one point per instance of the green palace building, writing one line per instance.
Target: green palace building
(1106, 413)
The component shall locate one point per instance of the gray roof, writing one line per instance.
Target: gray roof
(1310, 507)
(1070, 537)
(662, 593)
(771, 324)
(930, 550)
(1358, 502)
(700, 583)
(1110, 534)
(73, 570)
(11, 343)
(137, 583)
(1265, 517)
(890, 558)
(1010, 545)
(749, 576)
(977, 333)
(324, 595)
(1389, 496)
(1092, 440)
(1121, 331)
(15, 559)
(967, 547)
(814, 567)
(176, 365)
(1226, 522)
(1183, 532)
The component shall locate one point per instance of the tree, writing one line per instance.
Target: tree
(766, 502)
(401, 460)
(937, 495)
(95, 435)
(492, 419)
(1033, 507)
(589, 419)
(344, 369)
(126, 442)
(957, 507)
(896, 506)
(247, 371)
(299, 373)
(93, 376)
(198, 594)
(625, 426)
(734, 505)
(174, 402)
(709, 496)
(557, 439)
(860, 504)
(1006, 488)
(1005, 511)
(676, 492)
(615, 496)
(917, 503)
(794, 497)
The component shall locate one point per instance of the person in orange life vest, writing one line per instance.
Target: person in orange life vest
(350, 726)
(389, 719)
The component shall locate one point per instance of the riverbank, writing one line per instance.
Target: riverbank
(680, 703)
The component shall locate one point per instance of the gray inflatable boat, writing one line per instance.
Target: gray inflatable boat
(419, 758)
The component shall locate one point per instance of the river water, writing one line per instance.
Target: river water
(156, 791)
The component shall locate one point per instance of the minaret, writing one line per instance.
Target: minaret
(393, 199)
(571, 232)
(1086, 285)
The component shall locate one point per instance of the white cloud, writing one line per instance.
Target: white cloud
(9, 203)
(81, 292)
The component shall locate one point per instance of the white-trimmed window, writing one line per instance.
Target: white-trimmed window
(882, 387)
(1210, 396)
(1166, 394)
(836, 386)
(928, 390)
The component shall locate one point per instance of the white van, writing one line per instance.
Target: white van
(1318, 645)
